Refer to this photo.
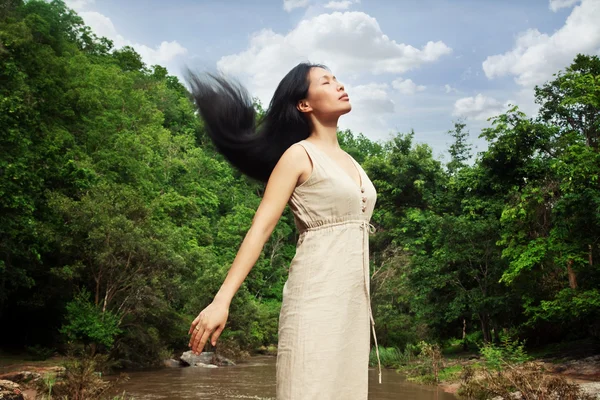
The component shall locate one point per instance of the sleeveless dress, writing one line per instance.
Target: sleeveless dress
(324, 338)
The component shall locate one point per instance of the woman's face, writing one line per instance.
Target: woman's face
(326, 96)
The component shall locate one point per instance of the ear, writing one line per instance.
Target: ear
(303, 106)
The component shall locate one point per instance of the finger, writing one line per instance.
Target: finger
(197, 338)
(192, 337)
(198, 332)
(194, 323)
(192, 326)
(203, 340)
(216, 335)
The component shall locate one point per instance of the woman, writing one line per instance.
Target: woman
(324, 337)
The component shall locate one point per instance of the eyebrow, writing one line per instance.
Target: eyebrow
(327, 76)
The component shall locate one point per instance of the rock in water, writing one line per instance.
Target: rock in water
(191, 359)
(10, 391)
(206, 358)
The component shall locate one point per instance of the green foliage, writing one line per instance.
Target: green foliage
(428, 365)
(507, 242)
(83, 380)
(46, 385)
(431, 356)
(390, 357)
(568, 304)
(450, 374)
(508, 352)
(88, 323)
(359, 146)
(393, 357)
(460, 150)
(107, 183)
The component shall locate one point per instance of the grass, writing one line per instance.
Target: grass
(421, 363)
(392, 357)
(419, 374)
(450, 374)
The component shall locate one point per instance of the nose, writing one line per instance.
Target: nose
(340, 86)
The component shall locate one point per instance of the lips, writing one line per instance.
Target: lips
(344, 97)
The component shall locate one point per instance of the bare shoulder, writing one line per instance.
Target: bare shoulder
(296, 162)
(295, 153)
(296, 156)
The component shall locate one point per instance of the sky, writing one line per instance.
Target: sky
(406, 64)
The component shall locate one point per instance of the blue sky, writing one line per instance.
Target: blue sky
(406, 64)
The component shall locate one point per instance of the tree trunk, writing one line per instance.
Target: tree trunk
(485, 327)
(464, 335)
(97, 295)
(572, 276)
(497, 334)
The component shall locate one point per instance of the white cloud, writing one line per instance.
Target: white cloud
(407, 86)
(372, 98)
(339, 5)
(479, 107)
(349, 43)
(78, 5)
(450, 89)
(289, 5)
(556, 5)
(536, 56)
(161, 54)
(371, 107)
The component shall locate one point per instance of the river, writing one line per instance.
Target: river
(255, 380)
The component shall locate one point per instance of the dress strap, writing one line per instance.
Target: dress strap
(315, 156)
(309, 150)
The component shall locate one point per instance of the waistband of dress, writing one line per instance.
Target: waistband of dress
(334, 222)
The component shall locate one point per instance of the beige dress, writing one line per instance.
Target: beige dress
(324, 338)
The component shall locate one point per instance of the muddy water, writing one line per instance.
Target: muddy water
(254, 379)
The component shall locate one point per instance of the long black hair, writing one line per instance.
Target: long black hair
(253, 147)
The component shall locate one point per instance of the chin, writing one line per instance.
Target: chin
(346, 109)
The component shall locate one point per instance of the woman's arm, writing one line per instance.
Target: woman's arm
(293, 168)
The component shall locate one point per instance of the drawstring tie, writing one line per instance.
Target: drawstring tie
(369, 228)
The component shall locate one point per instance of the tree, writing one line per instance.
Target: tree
(460, 150)
(551, 225)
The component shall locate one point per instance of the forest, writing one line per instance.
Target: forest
(119, 220)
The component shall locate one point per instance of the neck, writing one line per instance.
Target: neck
(325, 132)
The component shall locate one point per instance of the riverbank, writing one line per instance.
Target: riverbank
(28, 375)
(584, 372)
(56, 377)
(251, 379)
